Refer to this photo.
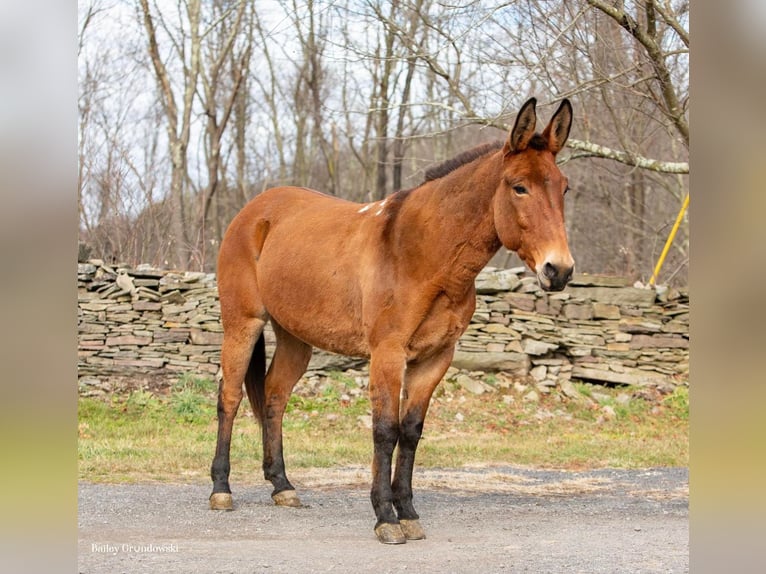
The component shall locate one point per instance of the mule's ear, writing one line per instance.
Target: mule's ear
(557, 130)
(524, 127)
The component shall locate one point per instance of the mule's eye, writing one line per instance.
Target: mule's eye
(520, 190)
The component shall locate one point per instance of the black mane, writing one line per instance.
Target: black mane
(450, 165)
(537, 142)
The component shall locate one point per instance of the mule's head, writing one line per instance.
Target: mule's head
(529, 202)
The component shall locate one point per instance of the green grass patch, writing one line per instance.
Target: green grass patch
(192, 399)
(678, 403)
(146, 437)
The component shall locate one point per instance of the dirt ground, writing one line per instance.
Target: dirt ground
(496, 519)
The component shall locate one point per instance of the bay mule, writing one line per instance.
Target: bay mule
(392, 281)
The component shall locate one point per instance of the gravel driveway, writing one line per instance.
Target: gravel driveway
(485, 520)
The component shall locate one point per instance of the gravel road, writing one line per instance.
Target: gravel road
(485, 520)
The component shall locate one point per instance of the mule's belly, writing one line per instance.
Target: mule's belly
(329, 336)
(320, 315)
(315, 297)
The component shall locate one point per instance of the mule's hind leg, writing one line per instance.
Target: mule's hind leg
(237, 352)
(291, 357)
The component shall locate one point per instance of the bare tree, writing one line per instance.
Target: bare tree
(185, 40)
(315, 79)
(118, 155)
(632, 91)
(226, 49)
(270, 94)
(644, 96)
(643, 27)
(355, 97)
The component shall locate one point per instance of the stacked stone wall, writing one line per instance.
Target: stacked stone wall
(149, 321)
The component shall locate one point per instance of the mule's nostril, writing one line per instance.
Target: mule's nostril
(556, 276)
(550, 271)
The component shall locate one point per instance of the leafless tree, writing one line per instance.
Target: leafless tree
(185, 40)
(626, 64)
(224, 67)
(356, 97)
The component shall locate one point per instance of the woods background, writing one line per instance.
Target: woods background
(187, 109)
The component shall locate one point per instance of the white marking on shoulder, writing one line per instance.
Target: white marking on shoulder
(382, 207)
(365, 208)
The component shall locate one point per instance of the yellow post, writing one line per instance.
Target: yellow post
(669, 242)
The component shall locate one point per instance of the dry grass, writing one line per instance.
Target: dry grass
(144, 437)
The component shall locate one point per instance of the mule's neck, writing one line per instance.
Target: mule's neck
(452, 221)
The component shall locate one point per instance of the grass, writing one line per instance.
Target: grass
(146, 437)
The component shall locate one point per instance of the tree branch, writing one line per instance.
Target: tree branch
(674, 110)
(168, 99)
(588, 149)
(672, 22)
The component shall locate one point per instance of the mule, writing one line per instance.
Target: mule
(392, 281)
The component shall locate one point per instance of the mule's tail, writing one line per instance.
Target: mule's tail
(255, 379)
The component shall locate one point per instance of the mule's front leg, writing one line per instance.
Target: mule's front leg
(420, 381)
(409, 435)
(386, 373)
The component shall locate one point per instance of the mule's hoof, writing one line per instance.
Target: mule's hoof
(286, 498)
(221, 501)
(388, 533)
(412, 529)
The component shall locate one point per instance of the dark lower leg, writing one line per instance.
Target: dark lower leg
(420, 381)
(387, 366)
(409, 437)
(236, 353)
(273, 459)
(219, 470)
(385, 435)
(291, 358)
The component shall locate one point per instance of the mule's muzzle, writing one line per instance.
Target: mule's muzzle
(554, 277)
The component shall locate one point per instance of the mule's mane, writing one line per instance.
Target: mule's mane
(537, 142)
(450, 165)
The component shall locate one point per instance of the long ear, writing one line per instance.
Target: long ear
(557, 130)
(524, 127)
